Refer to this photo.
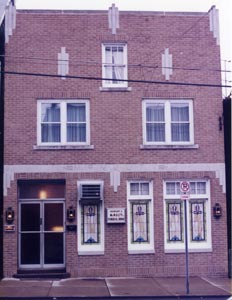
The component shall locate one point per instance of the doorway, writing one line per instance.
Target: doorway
(41, 231)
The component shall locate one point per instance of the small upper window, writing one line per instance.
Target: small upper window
(114, 65)
(167, 122)
(63, 122)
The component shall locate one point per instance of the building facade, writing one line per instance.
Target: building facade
(111, 120)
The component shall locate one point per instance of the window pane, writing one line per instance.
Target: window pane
(155, 132)
(50, 133)
(170, 188)
(174, 222)
(155, 113)
(201, 187)
(50, 112)
(134, 188)
(90, 224)
(144, 188)
(179, 112)
(140, 223)
(76, 133)
(180, 132)
(76, 112)
(198, 221)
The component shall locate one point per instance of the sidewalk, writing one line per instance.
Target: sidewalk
(115, 288)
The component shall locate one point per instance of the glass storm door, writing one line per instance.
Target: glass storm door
(41, 234)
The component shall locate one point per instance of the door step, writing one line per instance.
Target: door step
(42, 274)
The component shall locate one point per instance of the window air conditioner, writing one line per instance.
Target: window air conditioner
(90, 192)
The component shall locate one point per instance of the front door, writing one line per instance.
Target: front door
(41, 234)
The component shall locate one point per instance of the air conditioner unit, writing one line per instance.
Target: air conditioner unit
(90, 192)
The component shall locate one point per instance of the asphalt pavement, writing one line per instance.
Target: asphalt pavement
(116, 288)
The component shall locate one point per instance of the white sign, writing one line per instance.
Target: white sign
(184, 190)
(116, 215)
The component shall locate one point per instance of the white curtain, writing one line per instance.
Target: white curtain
(50, 122)
(114, 68)
(76, 122)
(155, 123)
(180, 122)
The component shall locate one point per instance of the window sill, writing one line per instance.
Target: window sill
(64, 147)
(189, 250)
(115, 89)
(169, 147)
(152, 251)
(91, 253)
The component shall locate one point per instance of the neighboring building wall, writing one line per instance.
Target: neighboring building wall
(116, 154)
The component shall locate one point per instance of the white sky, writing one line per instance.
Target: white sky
(224, 6)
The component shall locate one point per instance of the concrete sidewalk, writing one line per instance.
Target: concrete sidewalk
(115, 288)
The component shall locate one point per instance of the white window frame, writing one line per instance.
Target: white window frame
(193, 246)
(140, 248)
(63, 122)
(95, 248)
(109, 83)
(167, 120)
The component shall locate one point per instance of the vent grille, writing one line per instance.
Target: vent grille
(91, 192)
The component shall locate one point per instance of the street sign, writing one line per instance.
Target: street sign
(184, 190)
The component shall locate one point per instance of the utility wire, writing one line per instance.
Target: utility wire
(77, 63)
(110, 79)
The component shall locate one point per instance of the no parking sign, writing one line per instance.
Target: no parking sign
(185, 190)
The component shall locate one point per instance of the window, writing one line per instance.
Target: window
(198, 217)
(140, 217)
(167, 122)
(114, 67)
(62, 122)
(90, 218)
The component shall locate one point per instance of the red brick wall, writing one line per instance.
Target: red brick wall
(115, 124)
(116, 118)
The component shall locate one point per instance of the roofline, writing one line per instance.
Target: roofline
(100, 12)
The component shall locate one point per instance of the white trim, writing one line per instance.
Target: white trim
(202, 246)
(11, 170)
(141, 248)
(167, 121)
(92, 249)
(63, 122)
(120, 84)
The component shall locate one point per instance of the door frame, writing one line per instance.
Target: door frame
(42, 265)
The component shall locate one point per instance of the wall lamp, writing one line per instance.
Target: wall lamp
(71, 213)
(9, 215)
(217, 210)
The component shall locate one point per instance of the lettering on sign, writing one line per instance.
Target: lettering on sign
(116, 215)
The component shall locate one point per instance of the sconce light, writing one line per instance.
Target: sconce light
(220, 123)
(71, 213)
(217, 210)
(9, 215)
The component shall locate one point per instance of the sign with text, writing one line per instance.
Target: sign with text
(184, 190)
(116, 215)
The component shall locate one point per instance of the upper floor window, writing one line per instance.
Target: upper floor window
(168, 122)
(62, 122)
(114, 65)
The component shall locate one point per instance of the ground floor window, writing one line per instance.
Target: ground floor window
(198, 217)
(90, 217)
(140, 217)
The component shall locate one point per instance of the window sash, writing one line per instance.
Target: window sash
(198, 221)
(175, 224)
(139, 222)
(114, 66)
(68, 125)
(90, 224)
(168, 122)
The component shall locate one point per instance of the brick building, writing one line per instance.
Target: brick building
(105, 118)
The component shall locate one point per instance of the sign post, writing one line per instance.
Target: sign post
(185, 194)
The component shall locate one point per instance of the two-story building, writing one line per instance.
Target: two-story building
(111, 120)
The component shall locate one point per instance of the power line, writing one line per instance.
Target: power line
(120, 80)
(77, 63)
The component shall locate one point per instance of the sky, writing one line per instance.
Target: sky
(224, 6)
